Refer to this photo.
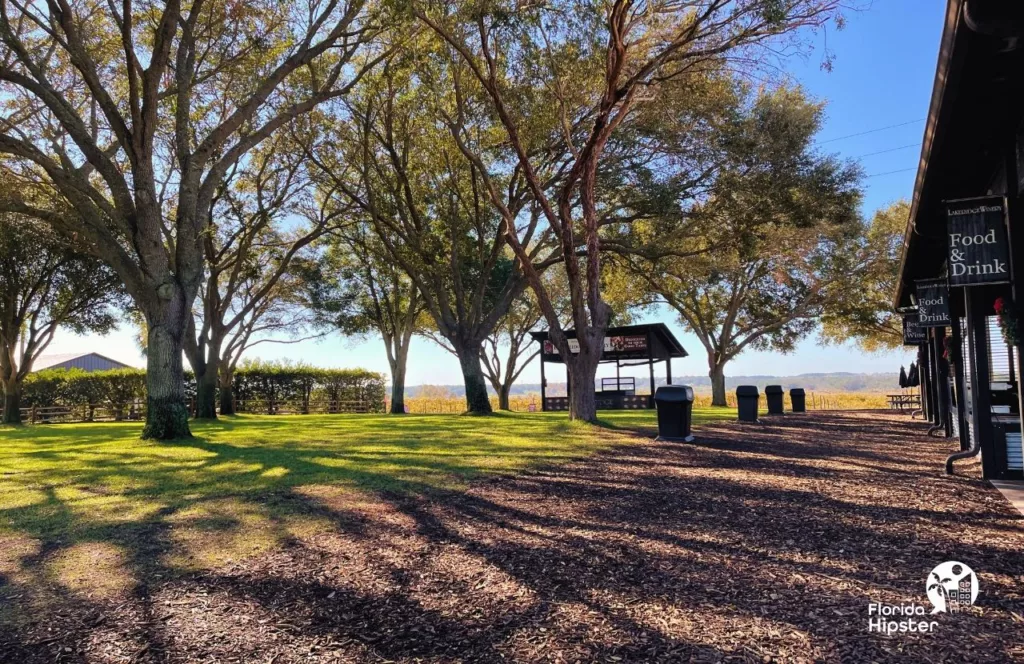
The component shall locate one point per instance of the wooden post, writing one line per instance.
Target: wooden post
(960, 386)
(981, 402)
(941, 381)
(922, 372)
(650, 366)
(543, 380)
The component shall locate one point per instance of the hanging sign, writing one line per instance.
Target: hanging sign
(976, 241)
(611, 345)
(913, 333)
(932, 303)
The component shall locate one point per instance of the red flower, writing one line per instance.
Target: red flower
(999, 305)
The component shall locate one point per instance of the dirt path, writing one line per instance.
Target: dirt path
(755, 544)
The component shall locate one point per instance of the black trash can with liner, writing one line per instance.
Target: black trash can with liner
(773, 395)
(675, 412)
(747, 398)
(799, 399)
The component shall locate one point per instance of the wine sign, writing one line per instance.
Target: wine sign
(913, 333)
(932, 303)
(976, 241)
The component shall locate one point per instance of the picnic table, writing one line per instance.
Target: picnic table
(903, 402)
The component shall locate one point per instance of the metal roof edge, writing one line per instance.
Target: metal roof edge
(939, 88)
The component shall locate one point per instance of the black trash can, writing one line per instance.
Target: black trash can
(747, 398)
(799, 399)
(773, 395)
(675, 409)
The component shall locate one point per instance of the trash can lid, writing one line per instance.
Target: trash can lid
(797, 390)
(747, 391)
(773, 389)
(673, 393)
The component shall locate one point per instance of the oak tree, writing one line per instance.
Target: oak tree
(863, 312)
(785, 221)
(46, 284)
(576, 73)
(135, 112)
(355, 287)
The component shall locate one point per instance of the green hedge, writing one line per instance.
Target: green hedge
(120, 390)
(265, 386)
(258, 387)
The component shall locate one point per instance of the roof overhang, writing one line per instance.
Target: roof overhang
(659, 343)
(975, 111)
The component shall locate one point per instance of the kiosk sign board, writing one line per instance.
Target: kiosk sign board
(611, 345)
(913, 333)
(976, 241)
(932, 303)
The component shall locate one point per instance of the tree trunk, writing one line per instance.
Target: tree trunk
(582, 393)
(477, 400)
(226, 380)
(206, 393)
(207, 370)
(12, 402)
(398, 385)
(166, 412)
(717, 375)
(503, 397)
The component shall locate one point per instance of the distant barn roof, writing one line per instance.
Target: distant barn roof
(84, 361)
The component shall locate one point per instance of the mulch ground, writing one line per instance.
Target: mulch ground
(760, 543)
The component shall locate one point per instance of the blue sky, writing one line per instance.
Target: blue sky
(884, 62)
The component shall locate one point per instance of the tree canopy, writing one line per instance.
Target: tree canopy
(781, 220)
(45, 284)
(864, 313)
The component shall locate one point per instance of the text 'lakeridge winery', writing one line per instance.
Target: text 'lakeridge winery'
(978, 251)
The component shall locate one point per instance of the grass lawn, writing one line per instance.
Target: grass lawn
(80, 502)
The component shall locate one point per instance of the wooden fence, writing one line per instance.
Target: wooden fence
(83, 413)
(137, 411)
(435, 405)
(303, 407)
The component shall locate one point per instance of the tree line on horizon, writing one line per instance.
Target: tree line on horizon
(227, 174)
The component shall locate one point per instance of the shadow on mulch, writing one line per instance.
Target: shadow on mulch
(754, 544)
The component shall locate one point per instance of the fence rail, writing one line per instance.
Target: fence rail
(417, 405)
(137, 410)
(304, 407)
(83, 413)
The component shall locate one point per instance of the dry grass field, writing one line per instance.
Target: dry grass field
(523, 403)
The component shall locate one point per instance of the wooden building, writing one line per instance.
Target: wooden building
(627, 346)
(963, 260)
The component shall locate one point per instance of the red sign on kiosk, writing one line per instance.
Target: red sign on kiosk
(611, 345)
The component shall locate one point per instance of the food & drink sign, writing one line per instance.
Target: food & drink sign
(932, 303)
(976, 241)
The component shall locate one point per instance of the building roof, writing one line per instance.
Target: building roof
(663, 343)
(56, 359)
(972, 117)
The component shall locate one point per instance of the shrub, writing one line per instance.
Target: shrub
(266, 386)
(259, 387)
